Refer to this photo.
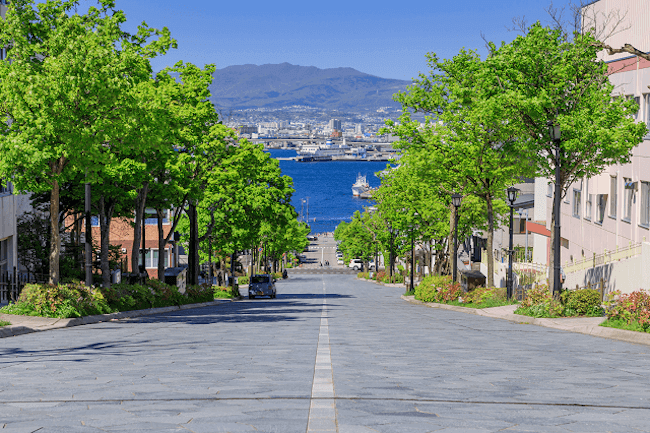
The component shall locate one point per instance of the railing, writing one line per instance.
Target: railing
(12, 283)
(630, 251)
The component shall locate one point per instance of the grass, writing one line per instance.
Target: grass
(4, 323)
(222, 294)
(622, 324)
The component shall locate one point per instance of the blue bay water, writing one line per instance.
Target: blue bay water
(329, 188)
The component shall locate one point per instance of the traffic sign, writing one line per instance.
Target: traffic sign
(260, 249)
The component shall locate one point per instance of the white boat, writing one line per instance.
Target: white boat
(360, 186)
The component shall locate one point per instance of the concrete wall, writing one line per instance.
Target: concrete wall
(625, 275)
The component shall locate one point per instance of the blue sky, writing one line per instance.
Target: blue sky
(387, 39)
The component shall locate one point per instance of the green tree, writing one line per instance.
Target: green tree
(69, 94)
(546, 79)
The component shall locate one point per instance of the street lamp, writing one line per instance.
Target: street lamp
(555, 133)
(455, 200)
(415, 214)
(512, 196)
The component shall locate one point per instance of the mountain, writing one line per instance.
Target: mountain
(276, 86)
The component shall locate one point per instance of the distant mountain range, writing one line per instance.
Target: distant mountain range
(276, 86)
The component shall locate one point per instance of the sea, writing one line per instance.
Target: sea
(324, 189)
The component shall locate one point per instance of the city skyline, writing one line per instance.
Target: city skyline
(384, 40)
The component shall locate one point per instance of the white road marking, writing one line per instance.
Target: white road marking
(322, 410)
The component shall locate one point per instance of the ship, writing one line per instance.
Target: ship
(361, 186)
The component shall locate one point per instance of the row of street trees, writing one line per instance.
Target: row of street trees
(488, 127)
(81, 104)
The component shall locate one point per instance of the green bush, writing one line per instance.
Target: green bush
(199, 293)
(585, 302)
(223, 292)
(277, 275)
(438, 288)
(628, 311)
(60, 301)
(365, 275)
(482, 295)
(242, 280)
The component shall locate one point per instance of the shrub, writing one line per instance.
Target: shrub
(584, 302)
(221, 292)
(365, 275)
(242, 280)
(61, 301)
(379, 276)
(484, 294)
(633, 309)
(438, 288)
(199, 293)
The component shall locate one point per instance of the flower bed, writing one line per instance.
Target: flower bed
(539, 302)
(628, 311)
(442, 290)
(77, 300)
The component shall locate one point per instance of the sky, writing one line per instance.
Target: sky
(386, 39)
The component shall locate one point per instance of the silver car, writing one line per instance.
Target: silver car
(261, 285)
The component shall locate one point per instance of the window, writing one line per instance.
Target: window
(94, 221)
(549, 190)
(637, 101)
(151, 258)
(612, 194)
(645, 204)
(4, 255)
(601, 204)
(628, 197)
(646, 104)
(588, 202)
(151, 217)
(576, 203)
(5, 189)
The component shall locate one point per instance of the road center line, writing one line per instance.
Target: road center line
(322, 407)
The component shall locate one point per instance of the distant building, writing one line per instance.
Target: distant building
(335, 125)
(248, 129)
(358, 129)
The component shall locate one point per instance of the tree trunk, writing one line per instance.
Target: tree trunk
(55, 235)
(140, 202)
(193, 253)
(105, 216)
(490, 241)
(162, 242)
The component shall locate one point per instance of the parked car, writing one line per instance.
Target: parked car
(357, 264)
(261, 285)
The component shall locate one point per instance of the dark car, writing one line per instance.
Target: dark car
(261, 285)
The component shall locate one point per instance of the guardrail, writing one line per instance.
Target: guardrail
(630, 251)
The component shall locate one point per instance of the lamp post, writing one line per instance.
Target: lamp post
(555, 134)
(415, 214)
(512, 196)
(455, 200)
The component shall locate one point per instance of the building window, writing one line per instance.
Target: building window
(549, 190)
(576, 203)
(4, 255)
(5, 188)
(588, 201)
(646, 106)
(612, 194)
(601, 205)
(94, 221)
(645, 204)
(151, 217)
(151, 258)
(637, 101)
(628, 197)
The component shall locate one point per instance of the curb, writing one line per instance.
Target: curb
(587, 329)
(14, 330)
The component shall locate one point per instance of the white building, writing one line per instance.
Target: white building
(8, 230)
(606, 219)
(335, 125)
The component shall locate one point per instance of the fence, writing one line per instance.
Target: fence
(632, 250)
(12, 283)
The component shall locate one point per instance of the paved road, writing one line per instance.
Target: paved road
(329, 354)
